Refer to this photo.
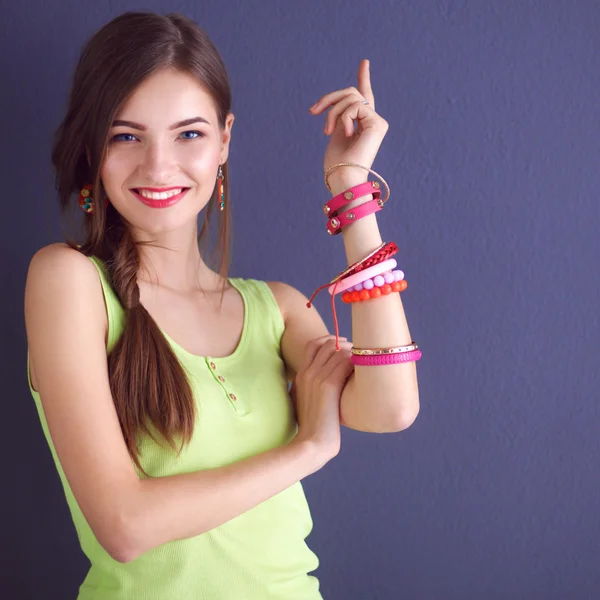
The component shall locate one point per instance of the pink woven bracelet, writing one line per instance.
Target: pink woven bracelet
(386, 359)
(348, 282)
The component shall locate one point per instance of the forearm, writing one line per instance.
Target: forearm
(182, 506)
(376, 398)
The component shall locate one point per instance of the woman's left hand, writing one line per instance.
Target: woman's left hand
(346, 108)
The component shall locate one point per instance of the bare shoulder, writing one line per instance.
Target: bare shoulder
(302, 324)
(58, 273)
(293, 305)
(61, 280)
(288, 297)
(58, 258)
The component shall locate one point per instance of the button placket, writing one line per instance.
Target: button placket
(233, 399)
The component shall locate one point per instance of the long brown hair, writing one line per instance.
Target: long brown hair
(149, 387)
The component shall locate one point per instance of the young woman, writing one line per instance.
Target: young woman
(162, 384)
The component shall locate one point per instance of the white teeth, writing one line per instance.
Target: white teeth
(159, 195)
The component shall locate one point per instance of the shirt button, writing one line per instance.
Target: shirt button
(212, 365)
(221, 378)
(232, 396)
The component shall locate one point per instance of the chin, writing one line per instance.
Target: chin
(163, 221)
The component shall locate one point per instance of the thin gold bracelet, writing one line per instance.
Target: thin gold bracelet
(382, 351)
(387, 187)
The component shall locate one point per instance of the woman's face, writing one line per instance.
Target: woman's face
(164, 150)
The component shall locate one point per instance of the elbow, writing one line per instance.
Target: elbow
(121, 553)
(403, 419)
(406, 419)
(119, 541)
(392, 423)
(409, 411)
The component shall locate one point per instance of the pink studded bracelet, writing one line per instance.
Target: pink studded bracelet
(386, 359)
(361, 276)
(358, 191)
(336, 224)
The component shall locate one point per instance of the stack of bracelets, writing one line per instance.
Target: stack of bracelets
(373, 276)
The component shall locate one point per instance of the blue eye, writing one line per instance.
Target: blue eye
(123, 137)
(192, 135)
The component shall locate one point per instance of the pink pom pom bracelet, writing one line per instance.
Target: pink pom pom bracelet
(378, 281)
(361, 276)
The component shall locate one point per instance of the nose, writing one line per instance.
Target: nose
(159, 163)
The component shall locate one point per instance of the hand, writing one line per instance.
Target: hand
(347, 109)
(317, 391)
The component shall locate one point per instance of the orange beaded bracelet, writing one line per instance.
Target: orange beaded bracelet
(376, 292)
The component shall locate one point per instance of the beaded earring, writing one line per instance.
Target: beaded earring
(221, 189)
(86, 202)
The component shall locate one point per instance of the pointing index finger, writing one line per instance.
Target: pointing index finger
(364, 82)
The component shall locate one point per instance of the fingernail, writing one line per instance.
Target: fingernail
(313, 106)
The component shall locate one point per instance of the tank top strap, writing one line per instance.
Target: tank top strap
(114, 309)
(265, 320)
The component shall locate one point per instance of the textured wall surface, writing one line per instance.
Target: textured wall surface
(492, 155)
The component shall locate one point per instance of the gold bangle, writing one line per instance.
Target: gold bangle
(382, 351)
(387, 187)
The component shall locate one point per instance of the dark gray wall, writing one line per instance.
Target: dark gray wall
(492, 155)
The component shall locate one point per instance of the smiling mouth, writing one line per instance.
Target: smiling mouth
(154, 194)
(154, 198)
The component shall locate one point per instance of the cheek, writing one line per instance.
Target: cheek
(116, 168)
(199, 158)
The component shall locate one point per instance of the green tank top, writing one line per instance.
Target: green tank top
(243, 409)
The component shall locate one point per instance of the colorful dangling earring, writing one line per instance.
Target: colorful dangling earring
(221, 189)
(86, 202)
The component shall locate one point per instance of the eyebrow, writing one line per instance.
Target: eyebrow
(184, 123)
